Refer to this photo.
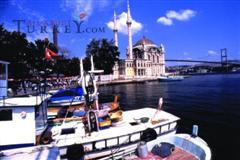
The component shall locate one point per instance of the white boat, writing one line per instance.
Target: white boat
(169, 78)
(22, 121)
(117, 138)
(177, 146)
(98, 134)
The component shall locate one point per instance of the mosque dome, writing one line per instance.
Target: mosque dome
(144, 41)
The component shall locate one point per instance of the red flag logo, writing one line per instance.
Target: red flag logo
(82, 15)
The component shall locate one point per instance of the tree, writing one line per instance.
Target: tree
(25, 57)
(28, 58)
(74, 66)
(104, 53)
(37, 60)
(14, 50)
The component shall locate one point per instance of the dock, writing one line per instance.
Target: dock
(126, 81)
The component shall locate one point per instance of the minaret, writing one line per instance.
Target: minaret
(115, 30)
(129, 23)
(55, 36)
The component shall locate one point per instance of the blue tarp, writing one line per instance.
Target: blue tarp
(75, 94)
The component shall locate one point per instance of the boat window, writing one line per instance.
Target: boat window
(5, 115)
(40, 116)
(2, 71)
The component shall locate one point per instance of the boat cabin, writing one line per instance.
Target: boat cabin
(3, 78)
(22, 119)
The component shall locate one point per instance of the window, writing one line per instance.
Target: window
(5, 115)
(2, 71)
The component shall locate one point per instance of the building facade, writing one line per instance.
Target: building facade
(148, 61)
(144, 58)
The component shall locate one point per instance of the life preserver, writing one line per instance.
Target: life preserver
(23, 114)
(148, 134)
(88, 78)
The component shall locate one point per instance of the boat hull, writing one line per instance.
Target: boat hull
(170, 79)
(186, 146)
(108, 152)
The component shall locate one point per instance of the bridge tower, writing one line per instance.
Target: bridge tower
(224, 60)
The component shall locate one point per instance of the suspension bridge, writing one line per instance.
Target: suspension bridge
(224, 60)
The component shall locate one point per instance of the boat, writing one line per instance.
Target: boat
(66, 97)
(170, 78)
(177, 146)
(23, 120)
(105, 135)
(99, 133)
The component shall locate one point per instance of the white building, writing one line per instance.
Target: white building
(144, 59)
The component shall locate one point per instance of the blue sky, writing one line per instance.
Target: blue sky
(188, 29)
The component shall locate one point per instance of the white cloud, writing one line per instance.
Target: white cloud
(185, 53)
(212, 52)
(122, 26)
(31, 14)
(165, 21)
(182, 15)
(77, 6)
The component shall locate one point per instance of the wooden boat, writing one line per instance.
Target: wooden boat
(116, 116)
(54, 111)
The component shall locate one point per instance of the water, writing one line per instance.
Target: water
(210, 101)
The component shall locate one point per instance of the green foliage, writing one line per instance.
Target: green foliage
(68, 67)
(105, 54)
(14, 50)
(28, 58)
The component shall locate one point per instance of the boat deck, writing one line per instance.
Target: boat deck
(37, 152)
(125, 129)
(177, 154)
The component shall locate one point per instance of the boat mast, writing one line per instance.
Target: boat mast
(87, 81)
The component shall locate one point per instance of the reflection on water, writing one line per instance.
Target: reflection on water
(211, 101)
